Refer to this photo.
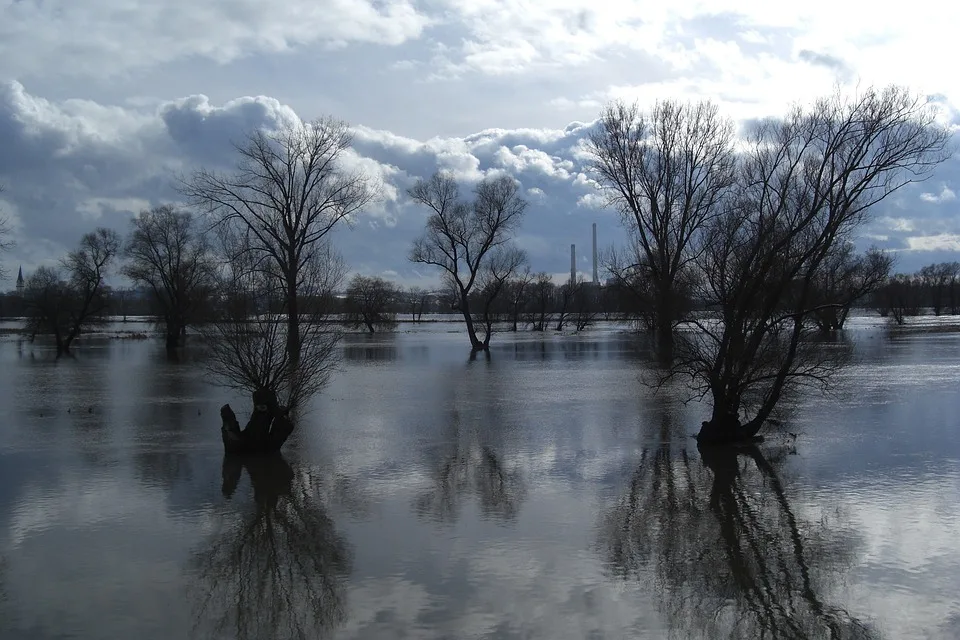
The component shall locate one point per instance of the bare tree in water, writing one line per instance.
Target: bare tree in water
(289, 190)
(65, 301)
(418, 299)
(541, 293)
(465, 239)
(248, 342)
(667, 173)
(167, 253)
(805, 184)
(370, 303)
(492, 291)
(516, 294)
(5, 242)
(846, 277)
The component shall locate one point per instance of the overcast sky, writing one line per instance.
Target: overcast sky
(103, 101)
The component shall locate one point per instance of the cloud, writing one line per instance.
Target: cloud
(939, 242)
(107, 37)
(826, 61)
(70, 165)
(205, 132)
(946, 195)
(73, 165)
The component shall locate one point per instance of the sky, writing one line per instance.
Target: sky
(104, 102)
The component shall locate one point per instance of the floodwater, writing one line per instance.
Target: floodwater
(543, 493)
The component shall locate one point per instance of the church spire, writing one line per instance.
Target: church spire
(20, 281)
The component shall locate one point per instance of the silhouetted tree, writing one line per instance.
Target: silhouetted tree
(170, 256)
(288, 192)
(418, 299)
(5, 242)
(542, 292)
(516, 294)
(247, 338)
(369, 303)
(938, 280)
(492, 297)
(584, 305)
(844, 279)
(900, 296)
(64, 301)
(805, 184)
(463, 239)
(564, 300)
(666, 172)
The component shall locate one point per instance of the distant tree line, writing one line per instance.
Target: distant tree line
(935, 287)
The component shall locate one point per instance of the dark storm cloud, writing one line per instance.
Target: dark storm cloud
(827, 61)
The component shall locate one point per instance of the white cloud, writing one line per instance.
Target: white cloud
(897, 224)
(946, 195)
(939, 242)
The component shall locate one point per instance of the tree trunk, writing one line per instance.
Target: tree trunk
(724, 426)
(475, 343)
(173, 335)
(268, 428)
(293, 321)
(664, 328)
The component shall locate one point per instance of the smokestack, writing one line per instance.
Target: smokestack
(596, 279)
(573, 264)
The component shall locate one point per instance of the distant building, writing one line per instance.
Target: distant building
(20, 282)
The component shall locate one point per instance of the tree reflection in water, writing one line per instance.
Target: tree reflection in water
(464, 466)
(277, 570)
(728, 556)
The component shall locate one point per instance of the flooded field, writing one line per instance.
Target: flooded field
(544, 492)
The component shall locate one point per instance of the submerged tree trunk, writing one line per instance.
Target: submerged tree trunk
(724, 426)
(475, 343)
(268, 428)
(175, 334)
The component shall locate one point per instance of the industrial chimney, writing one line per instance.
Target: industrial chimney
(596, 279)
(573, 265)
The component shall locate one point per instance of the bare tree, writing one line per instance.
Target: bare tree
(845, 278)
(170, 256)
(938, 278)
(496, 273)
(564, 300)
(462, 239)
(417, 299)
(585, 304)
(805, 184)
(5, 242)
(249, 349)
(667, 173)
(900, 296)
(370, 301)
(64, 304)
(516, 294)
(541, 296)
(288, 192)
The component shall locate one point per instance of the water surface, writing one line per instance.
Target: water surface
(541, 493)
